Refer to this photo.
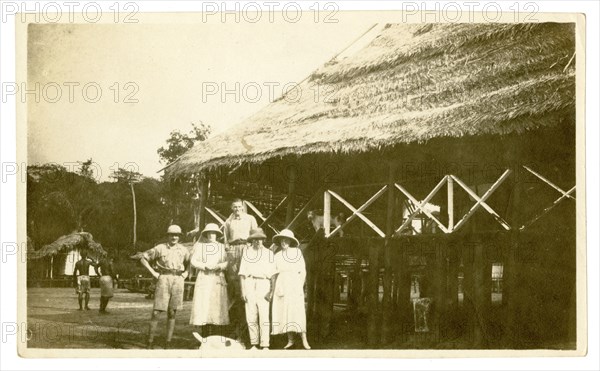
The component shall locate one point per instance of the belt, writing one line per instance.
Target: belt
(258, 278)
(207, 273)
(170, 272)
(238, 242)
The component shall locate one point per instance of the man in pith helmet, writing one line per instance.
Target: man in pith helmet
(172, 262)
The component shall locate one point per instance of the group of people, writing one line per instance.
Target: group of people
(242, 287)
(104, 269)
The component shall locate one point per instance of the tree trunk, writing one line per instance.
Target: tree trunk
(134, 215)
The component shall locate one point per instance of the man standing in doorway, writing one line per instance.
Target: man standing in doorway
(172, 261)
(237, 230)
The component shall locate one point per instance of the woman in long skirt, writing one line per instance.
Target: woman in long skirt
(289, 313)
(210, 306)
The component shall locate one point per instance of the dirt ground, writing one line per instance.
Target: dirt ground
(54, 321)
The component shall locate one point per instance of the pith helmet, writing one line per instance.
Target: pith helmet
(174, 229)
(257, 234)
(286, 233)
(212, 227)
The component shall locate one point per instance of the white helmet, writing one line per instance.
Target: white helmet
(174, 229)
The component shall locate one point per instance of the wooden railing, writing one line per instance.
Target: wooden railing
(419, 210)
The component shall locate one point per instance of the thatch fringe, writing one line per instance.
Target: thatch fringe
(69, 242)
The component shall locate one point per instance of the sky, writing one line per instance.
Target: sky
(157, 77)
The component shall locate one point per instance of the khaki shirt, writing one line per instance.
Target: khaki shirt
(168, 257)
(239, 228)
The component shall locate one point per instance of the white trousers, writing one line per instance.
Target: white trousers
(257, 310)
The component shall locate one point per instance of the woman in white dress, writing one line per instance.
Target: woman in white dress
(210, 306)
(289, 313)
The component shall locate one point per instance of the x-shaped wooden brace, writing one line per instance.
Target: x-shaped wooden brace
(480, 202)
(260, 215)
(564, 195)
(420, 206)
(272, 215)
(358, 212)
(216, 216)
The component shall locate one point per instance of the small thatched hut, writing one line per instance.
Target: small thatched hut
(475, 119)
(58, 258)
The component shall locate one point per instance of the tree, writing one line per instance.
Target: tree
(130, 177)
(179, 143)
(185, 191)
(58, 201)
(86, 169)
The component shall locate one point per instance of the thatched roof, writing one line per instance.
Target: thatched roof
(411, 83)
(69, 242)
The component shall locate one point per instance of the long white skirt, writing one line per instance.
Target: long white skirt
(210, 305)
(289, 312)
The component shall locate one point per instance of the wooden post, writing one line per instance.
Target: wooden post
(326, 213)
(439, 277)
(204, 189)
(479, 295)
(387, 279)
(354, 283)
(510, 274)
(291, 197)
(450, 203)
(134, 215)
(373, 335)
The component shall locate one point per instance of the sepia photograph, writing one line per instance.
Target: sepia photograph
(302, 184)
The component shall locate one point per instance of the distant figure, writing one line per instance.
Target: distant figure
(257, 273)
(315, 217)
(172, 262)
(210, 307)
(81, 279)
(289, 312)
(237, 229)
(105, 270)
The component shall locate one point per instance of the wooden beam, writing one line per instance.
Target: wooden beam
(260, 215)
(216, 216)
(420, 206)
(291, 196)
(360, 210)
(357, 213)
(304, 209)
(480, 293)
(481, 201)
(450, 203)
(386, 331)
(268, 218)
(511, 269)
(326, 213)
(547, 210)
(373, 335)
(204, 190)
(566, 194)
